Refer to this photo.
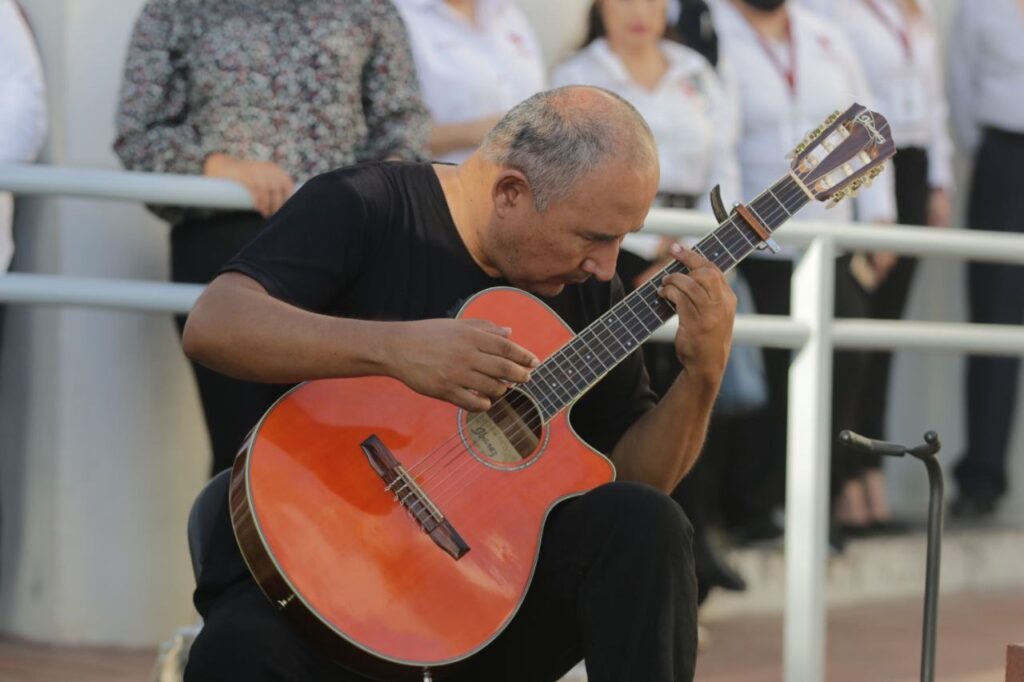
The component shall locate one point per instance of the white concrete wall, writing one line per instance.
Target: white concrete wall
(101, 443)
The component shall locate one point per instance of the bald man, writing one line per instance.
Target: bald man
(359, 274)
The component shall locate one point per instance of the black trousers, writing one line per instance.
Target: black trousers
(614, 585)
(758, 486)
(199, 249)
(996, 296)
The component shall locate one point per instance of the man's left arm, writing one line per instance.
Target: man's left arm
(662, 445)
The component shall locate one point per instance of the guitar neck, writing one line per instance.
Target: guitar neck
(572, 370)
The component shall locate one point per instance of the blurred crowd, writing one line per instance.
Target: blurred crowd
(270, 93)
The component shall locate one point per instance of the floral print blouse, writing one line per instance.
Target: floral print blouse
(311, 85)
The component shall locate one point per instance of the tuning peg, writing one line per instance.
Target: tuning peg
(835, 199)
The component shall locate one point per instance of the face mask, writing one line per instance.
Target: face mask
(765, 5)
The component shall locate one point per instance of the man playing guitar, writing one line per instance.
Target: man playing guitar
(357, 275)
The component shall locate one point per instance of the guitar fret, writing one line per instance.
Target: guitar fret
(770, 191)
(567, 374)
(549, 379)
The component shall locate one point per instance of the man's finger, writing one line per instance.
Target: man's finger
(468, 400)
(502, 347)
(695, 291)
(688, 257)
(486, 385)
(680, 299)
(501, 369)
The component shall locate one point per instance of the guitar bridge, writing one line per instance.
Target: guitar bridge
(413, 498)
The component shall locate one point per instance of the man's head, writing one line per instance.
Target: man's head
(570, 172)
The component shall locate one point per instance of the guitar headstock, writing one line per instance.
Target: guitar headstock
(843, 154)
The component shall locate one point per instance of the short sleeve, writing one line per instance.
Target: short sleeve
(311, 250)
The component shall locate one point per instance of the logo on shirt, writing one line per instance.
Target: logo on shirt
(519, 42)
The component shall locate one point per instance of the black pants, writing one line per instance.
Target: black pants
(614, 585)
(996, 295)
(758, 486)
(199, 249)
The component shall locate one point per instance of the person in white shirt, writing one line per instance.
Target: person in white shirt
(986, 70)
(792, 68)
(23, 114)
(679, 95)
(475, 60)
(630, 50)
(897, 43)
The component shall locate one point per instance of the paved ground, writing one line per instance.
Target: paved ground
(869, 643)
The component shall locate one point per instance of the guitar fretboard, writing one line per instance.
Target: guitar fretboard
(572, 370)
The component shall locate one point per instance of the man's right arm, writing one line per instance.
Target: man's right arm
(239, 329)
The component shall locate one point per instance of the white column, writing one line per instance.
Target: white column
(101, 440)
(807, 467)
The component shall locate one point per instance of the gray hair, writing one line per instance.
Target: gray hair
(555, 140)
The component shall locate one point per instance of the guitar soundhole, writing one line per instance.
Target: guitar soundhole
(508, 433)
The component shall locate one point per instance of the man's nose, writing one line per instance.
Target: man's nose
(601, 262)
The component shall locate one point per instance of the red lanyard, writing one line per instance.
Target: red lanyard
(898, 31)
(788, 73)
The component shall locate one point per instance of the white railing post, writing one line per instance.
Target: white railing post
(807, 466)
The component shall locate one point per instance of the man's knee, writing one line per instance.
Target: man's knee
(242, 650)
(643, 514)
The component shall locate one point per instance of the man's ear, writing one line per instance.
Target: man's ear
(511, 191)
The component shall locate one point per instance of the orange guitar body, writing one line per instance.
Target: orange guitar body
(336, 550)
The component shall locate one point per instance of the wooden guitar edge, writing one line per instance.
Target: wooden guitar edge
(276, 588)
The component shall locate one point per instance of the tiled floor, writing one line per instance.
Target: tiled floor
(869, 643)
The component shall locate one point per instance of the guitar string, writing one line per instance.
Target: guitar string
(605, 333)
(438, 494)
(445, 489)
(737, 230)
(566, 364)
(732, 241)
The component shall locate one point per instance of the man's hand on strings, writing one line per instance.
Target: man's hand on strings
(468, 363)
(706, 306)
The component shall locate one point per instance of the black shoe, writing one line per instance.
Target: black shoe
(968, 508)
(760, 530)
(714, 572)
(837, 540)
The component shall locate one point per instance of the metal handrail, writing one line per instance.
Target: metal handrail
(811, 330)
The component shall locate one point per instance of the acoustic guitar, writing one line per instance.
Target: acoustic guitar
(401, 532)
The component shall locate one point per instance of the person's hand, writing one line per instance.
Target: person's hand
(267, 182)
(940, 209)
(883, 262)
(706, 306)
(662, 257)
(468, 363)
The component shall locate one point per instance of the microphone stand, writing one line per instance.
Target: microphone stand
(926, 453)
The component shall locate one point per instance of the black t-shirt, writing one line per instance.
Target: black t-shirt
(377, 242)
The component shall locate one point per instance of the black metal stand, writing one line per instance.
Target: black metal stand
(926, 453)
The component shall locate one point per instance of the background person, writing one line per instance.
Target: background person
(630, 50)
(268, 94)
(792, 69)
(23, 112)
(475, 60)
(986, 78)
(897, 43)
